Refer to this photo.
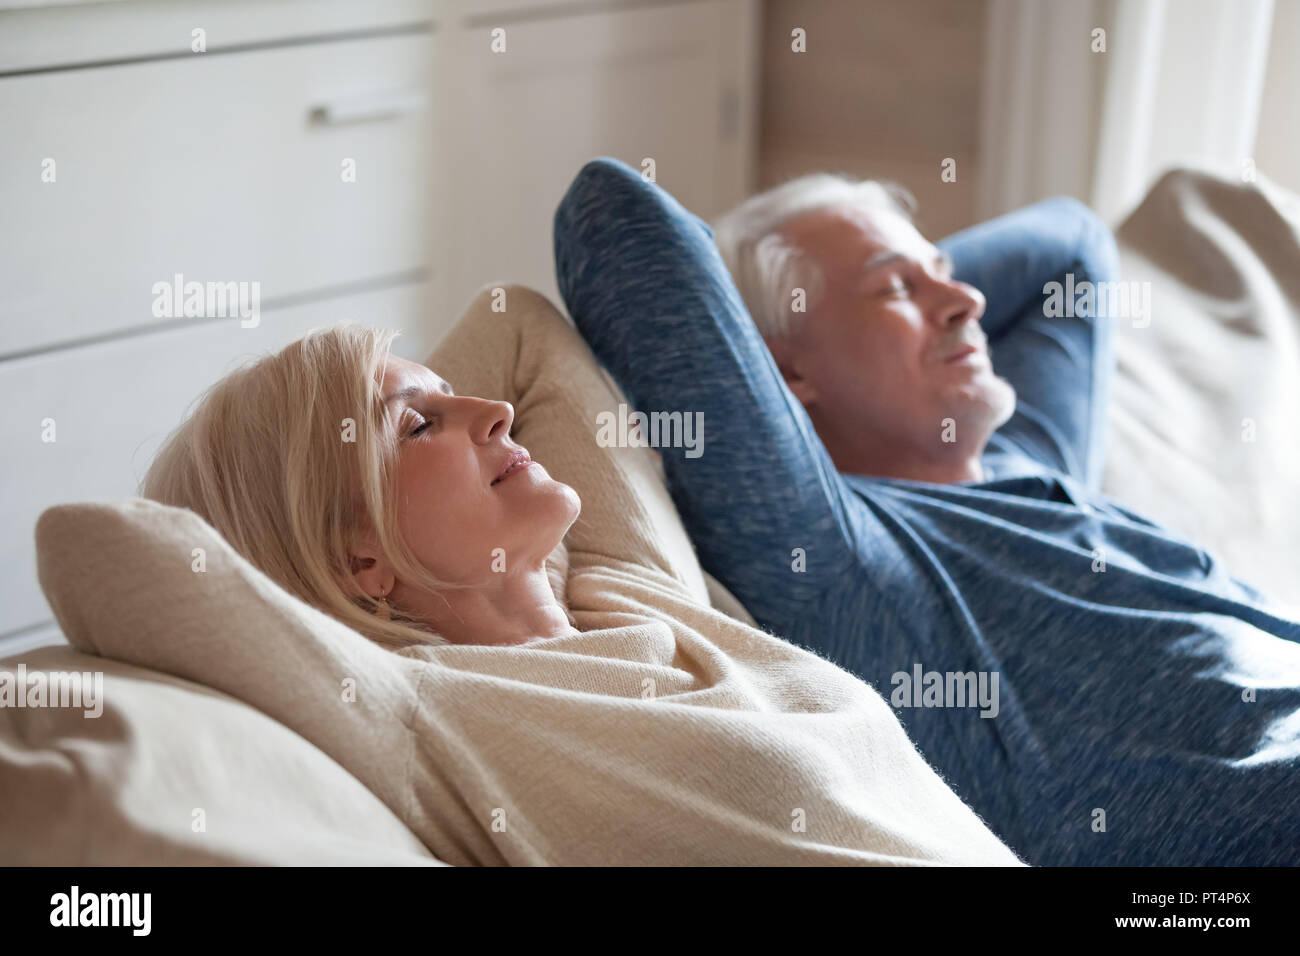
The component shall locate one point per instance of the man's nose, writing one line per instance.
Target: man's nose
(958, 303)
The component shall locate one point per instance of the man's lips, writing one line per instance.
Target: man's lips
(515, 461)
(961, 353)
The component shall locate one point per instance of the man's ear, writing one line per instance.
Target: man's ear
(789, 362)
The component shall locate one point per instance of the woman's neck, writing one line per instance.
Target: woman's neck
(509, 608)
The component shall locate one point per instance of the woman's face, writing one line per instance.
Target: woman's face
(466, 512)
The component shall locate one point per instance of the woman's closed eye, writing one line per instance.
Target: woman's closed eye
(432, 420)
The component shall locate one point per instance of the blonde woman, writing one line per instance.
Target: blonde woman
(536, 599)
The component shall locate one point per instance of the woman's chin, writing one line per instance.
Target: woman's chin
(542, 503)
(554, 500)
(572, 501)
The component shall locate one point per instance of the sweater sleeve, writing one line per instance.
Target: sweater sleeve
(647, 288)
(528, 354)
(1060, 361)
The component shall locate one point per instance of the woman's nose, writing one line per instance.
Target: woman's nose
(492, 421)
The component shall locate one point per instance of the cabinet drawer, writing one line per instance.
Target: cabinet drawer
(113, 404)
(220, 168)
(40, 33)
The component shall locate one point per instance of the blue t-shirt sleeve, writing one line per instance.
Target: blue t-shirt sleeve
(645, 284)
(1059, 358)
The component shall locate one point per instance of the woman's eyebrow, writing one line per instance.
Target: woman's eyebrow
(412, 390)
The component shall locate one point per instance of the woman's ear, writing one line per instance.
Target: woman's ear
(369, 571)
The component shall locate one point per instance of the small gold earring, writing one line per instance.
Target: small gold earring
(385, 612)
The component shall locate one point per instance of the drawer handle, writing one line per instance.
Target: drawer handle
(367, 106)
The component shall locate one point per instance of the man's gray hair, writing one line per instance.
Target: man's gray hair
(765, 266)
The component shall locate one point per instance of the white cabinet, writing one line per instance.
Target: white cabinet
(230, 165)
(245, 167)
(538, 95)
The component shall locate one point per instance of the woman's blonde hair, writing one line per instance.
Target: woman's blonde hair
(293, 460)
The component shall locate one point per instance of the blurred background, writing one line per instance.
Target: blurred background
(382, 160)
(1090, 98)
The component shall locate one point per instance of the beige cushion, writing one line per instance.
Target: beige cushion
(1202, 434)
(123, 788)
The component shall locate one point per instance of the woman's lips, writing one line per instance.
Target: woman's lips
(516, 463)
(516, 469)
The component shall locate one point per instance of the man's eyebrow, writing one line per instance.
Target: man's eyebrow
(881, 259)
(413, 390)
(941, 258)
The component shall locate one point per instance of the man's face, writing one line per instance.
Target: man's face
(891, 360)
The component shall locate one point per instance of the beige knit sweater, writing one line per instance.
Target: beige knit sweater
(664, 733)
